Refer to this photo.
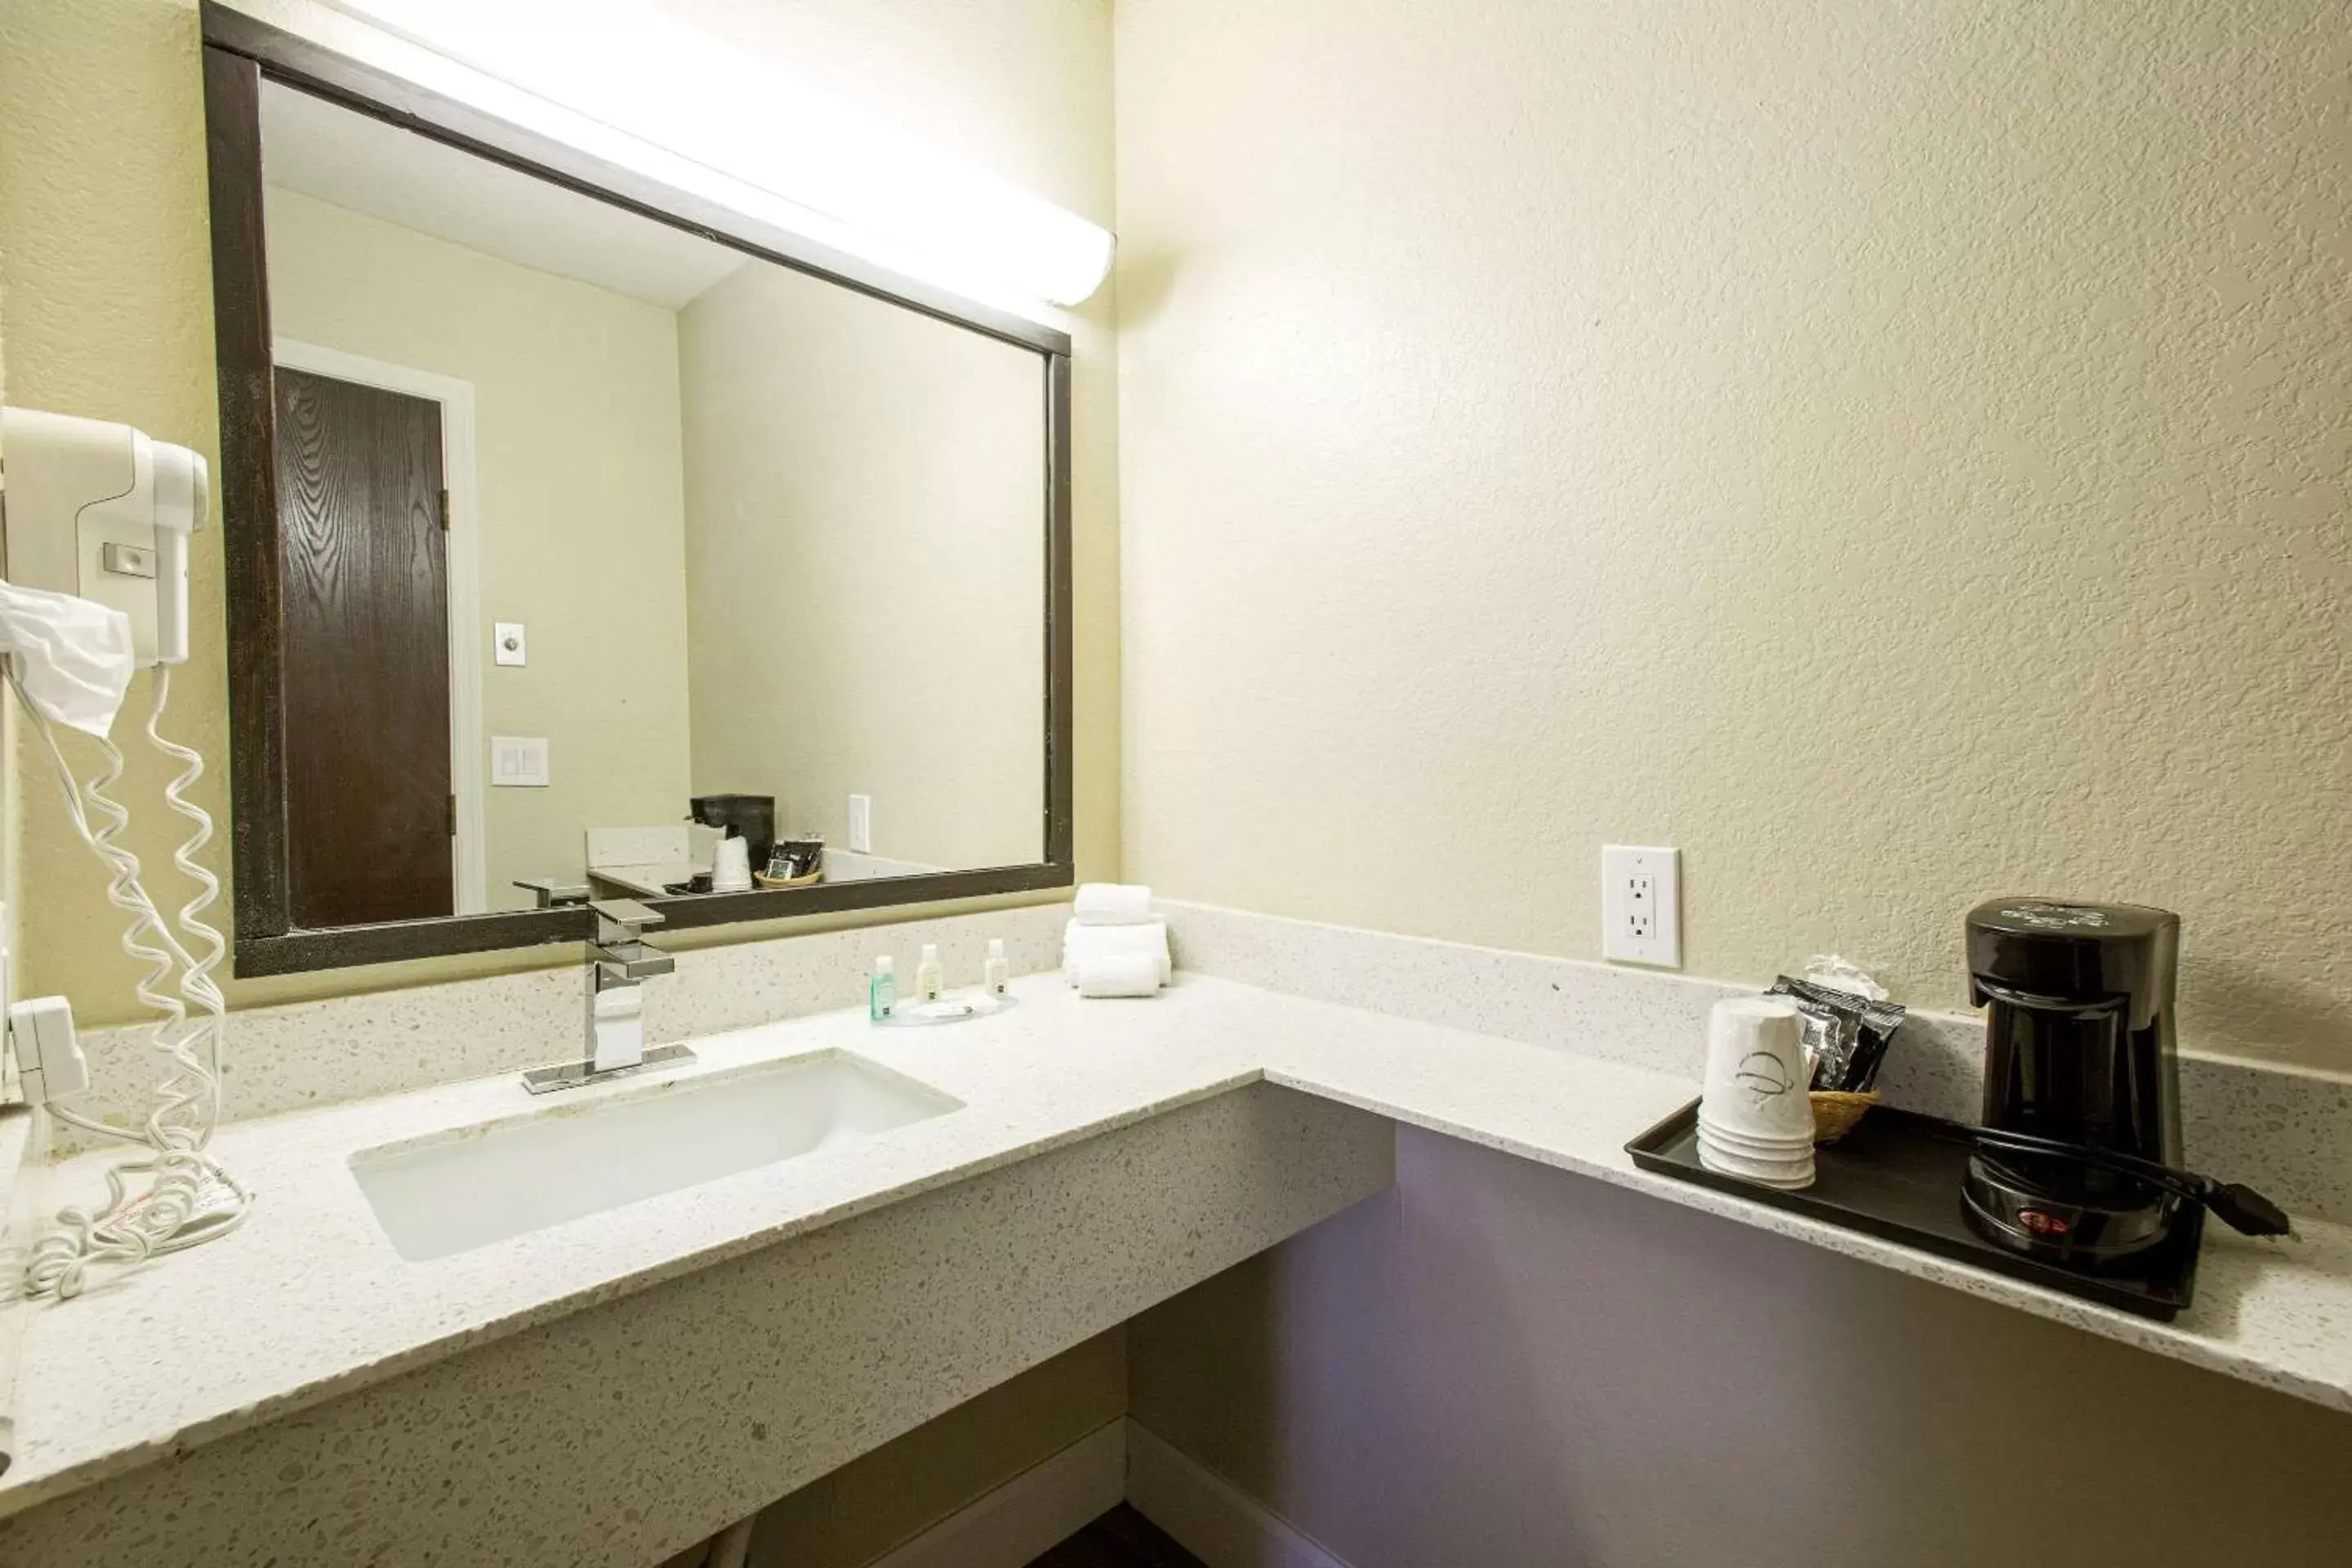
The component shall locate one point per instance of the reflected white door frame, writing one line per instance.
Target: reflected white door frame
(470, 846)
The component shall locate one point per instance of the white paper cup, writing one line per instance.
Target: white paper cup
(1787, 1173)
(1756, 1148)
(1756, 1081)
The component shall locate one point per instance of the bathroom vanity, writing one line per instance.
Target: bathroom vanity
(618, 1384)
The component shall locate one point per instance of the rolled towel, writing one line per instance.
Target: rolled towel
(1118, 974)
(1080, 943)
(1112, 904)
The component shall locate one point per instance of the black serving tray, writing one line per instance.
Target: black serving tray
(1898, 1175)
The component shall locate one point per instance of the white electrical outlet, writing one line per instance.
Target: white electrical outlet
(1641, 905)
(861, 823)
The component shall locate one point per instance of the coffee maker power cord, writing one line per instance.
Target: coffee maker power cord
(2239, 1208)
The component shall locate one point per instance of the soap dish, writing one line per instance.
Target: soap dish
(946, 1010)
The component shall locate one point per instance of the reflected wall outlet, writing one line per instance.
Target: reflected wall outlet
(1641, 905)
(861, 823)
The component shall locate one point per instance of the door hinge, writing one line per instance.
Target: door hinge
(453, 817)
(445, 512)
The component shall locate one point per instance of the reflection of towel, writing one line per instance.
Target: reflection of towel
(1112, 904)
(1118, 974)
(1082, 942)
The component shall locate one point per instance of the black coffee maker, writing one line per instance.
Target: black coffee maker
(2079, 1052)
(752, 817)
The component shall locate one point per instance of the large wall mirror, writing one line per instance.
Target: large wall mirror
(575, 529)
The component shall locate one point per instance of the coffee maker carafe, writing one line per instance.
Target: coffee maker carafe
(2079, 1050)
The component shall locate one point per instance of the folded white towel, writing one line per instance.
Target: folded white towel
(1080, 943)
(1112, 904)
(1118, 974)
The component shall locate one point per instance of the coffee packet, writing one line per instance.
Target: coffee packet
(1846, 1029)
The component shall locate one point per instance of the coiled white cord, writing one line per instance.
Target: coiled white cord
(191, 1199)
(196, 982)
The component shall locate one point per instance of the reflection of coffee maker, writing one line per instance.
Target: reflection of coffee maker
(752, 817)
(2078, 1049)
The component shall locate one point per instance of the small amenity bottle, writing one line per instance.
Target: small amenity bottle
(998, 974)
(882, 991)
(928, 985)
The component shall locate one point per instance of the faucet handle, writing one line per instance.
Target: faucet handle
(623, 920)
(551, 893)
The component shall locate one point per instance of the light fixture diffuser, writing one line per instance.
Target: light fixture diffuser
(827, 172)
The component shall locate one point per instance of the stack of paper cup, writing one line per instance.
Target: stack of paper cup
(1755, 1119)
(731, 867)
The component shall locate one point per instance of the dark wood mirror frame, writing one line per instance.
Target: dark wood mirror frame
(240, 53)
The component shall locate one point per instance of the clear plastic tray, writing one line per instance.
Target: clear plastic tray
(956, 1010)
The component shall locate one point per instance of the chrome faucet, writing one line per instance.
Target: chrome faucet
(619, 958)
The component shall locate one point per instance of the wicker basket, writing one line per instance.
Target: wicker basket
(1835, 1112)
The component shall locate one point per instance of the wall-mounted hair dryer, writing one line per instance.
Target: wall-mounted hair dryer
(95, 520)
(100, 512)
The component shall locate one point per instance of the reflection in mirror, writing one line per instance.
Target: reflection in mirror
(585, 519)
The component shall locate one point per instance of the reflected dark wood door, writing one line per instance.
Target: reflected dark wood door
(366, 664)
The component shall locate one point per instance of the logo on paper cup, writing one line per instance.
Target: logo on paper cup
(1763, 1075)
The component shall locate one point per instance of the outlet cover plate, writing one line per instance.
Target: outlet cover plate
(861, 823)
(1642, 905)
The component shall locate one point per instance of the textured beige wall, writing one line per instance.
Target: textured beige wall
(1895, 451)
(106, 305)
(12, 813)
(105, 273)
(1499, 1365)
(865, 561)
(581, 528)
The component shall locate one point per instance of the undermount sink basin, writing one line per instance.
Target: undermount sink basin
(473, 1186)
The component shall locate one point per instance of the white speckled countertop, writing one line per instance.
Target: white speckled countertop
(310, 1299)
(21, 1192)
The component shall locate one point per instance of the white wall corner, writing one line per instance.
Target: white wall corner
(1208, 1515)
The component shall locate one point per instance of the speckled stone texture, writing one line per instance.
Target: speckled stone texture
(24, 1192)
(622, 1434)
(1643, 1019)
(2285, 1131)
(309, 1306)
(309, 1054)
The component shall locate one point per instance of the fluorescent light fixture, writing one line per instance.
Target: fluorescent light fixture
(825, 171)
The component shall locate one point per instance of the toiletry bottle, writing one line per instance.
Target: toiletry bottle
(929, 986)
(997, 975)
(882, 991)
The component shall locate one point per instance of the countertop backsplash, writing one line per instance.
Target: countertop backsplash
(303, 1055)
(2288, 1132)
(2285, 1131)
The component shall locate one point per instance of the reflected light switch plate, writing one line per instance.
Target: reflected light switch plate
(507, 642)
(518, 761)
